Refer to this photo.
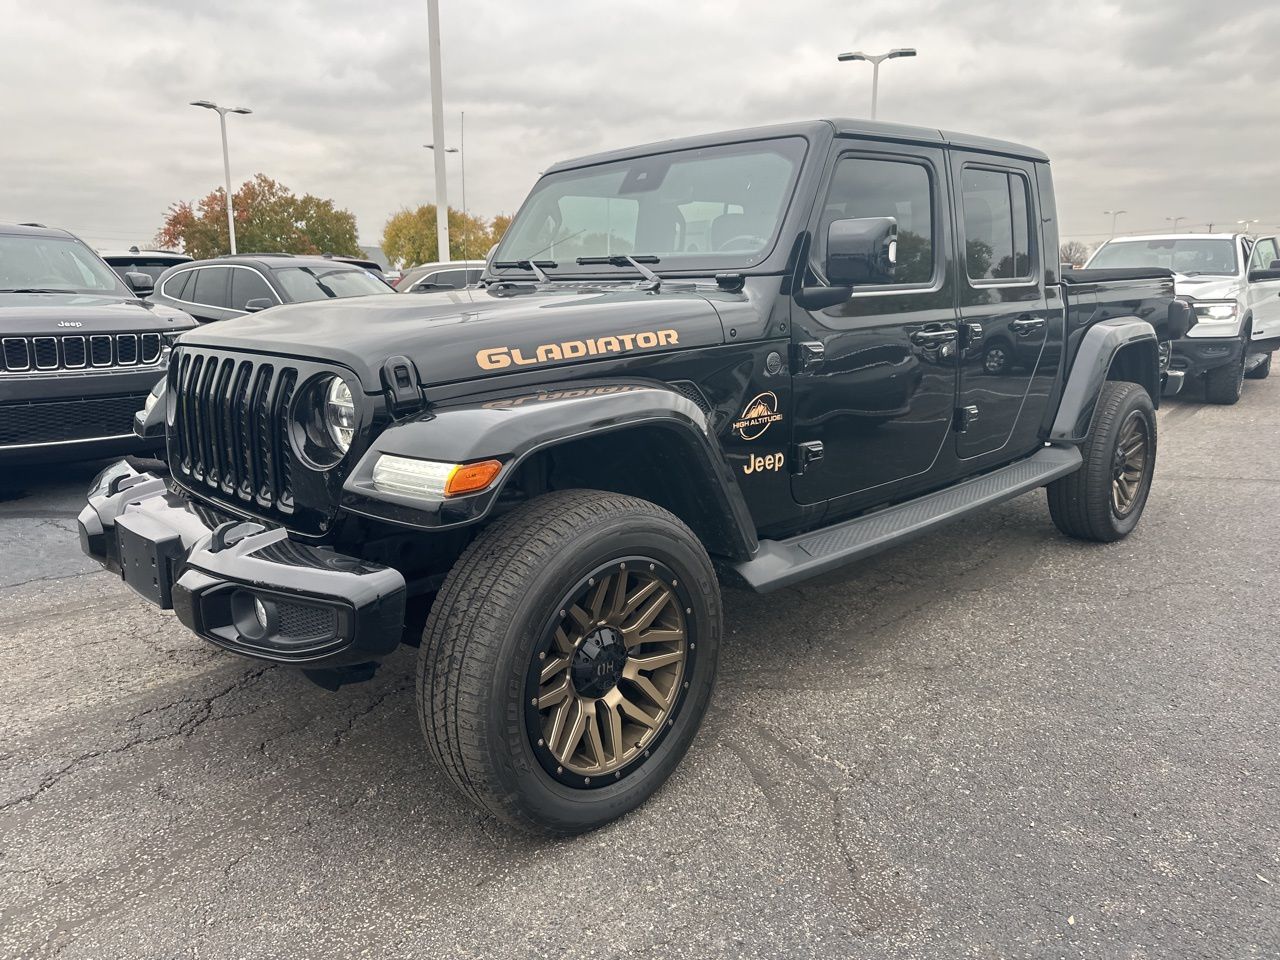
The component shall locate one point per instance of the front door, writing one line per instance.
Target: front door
(876, 373)
(1005, 320)
(1264, 295)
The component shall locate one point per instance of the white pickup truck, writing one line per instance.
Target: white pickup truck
(1234, 282)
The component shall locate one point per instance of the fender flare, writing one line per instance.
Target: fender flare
(1089, 371)
(513, 426)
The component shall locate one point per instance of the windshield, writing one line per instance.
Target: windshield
(55, 265)
(327, 283)
(706, 208)
(1190, 257)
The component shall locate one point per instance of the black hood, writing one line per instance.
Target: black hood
(466, 334)
(58, 314)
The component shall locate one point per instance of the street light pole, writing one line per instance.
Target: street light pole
(1175, 221)
(1114, 214)
(875, 59)
(461, 157)
(437, 130)
(226, 159)
(1246, 224)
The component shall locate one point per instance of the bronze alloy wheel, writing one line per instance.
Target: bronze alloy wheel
(606, 681)
(1130, 463)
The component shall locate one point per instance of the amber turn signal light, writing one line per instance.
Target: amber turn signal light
(470, 477)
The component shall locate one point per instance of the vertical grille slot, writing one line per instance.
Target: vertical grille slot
(16, 355)
(73, 353)
(237, 416)
(127, 349)
(151, 344)
(100, 350)
(46, 352)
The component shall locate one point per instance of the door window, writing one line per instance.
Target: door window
(866, 187)
(210, 287)
(176, 285)
(1264, 252)
(996, 208)
(249, 285)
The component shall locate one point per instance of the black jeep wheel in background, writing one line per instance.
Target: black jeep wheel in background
(569, 659)
(1104, 499)
(1224, 384)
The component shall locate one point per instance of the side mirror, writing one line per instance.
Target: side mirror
(1271, 273)
(1182, 317)
(258, 303)
(862, 251)
(140, 283)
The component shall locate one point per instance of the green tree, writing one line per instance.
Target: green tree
(409, 236)
(270, 218)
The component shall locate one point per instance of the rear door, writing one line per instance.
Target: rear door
(1005, 373)
(1264, 295)
(208, 294)
(876, 373)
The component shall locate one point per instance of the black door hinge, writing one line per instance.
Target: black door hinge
(964, 417)
(807, 355)
(806, 453)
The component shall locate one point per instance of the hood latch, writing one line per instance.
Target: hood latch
(400, 380)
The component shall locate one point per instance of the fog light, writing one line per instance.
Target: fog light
(253, 617)
(260, 611)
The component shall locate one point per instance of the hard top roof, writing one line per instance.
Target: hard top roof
(870, 129)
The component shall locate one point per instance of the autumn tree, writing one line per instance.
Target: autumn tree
(270, 218)
(1073, 252)
(498, 226)
(409, 236)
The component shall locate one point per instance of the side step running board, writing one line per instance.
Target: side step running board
(780, 563)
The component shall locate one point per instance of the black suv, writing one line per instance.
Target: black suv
(227, 287)
(78, 350)
(755, 355)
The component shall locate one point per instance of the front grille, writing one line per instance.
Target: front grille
(37, 354)
(231, 424)
(60, 421)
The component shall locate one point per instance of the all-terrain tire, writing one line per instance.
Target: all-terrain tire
(1261, 371)
(481, 648)
(1223, 385)
(1083, 504)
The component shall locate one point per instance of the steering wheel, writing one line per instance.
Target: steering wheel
(751, 238)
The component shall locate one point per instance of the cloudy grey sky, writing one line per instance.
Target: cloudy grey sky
(1160, 107)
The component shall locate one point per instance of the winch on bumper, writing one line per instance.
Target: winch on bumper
(239, 584)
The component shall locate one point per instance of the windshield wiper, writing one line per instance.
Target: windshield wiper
(33, 290)
(533, 265)
(654, 282)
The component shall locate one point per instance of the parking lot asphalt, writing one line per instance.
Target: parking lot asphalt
(994, 742)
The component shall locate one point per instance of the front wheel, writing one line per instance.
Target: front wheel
(1104, 499)
(1225, 384)
(569, 659)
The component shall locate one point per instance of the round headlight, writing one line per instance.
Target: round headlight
(340, 414)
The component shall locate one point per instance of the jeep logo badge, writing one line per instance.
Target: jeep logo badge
(70, 323)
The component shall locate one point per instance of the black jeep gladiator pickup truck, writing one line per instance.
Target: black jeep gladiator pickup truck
(79, 350)
(756, 355)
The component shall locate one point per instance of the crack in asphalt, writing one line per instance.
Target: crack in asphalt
(52, 576)
(184, 729)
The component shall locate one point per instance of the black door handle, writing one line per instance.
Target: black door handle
(1024, 325)
(930, 338)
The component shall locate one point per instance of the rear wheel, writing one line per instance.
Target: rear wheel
(1104, 499)
(569, 659)
(1224, 384)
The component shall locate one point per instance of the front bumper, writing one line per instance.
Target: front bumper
(1194, 356)
(238, 584)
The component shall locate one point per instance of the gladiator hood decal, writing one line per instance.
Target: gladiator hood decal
(467, 334)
